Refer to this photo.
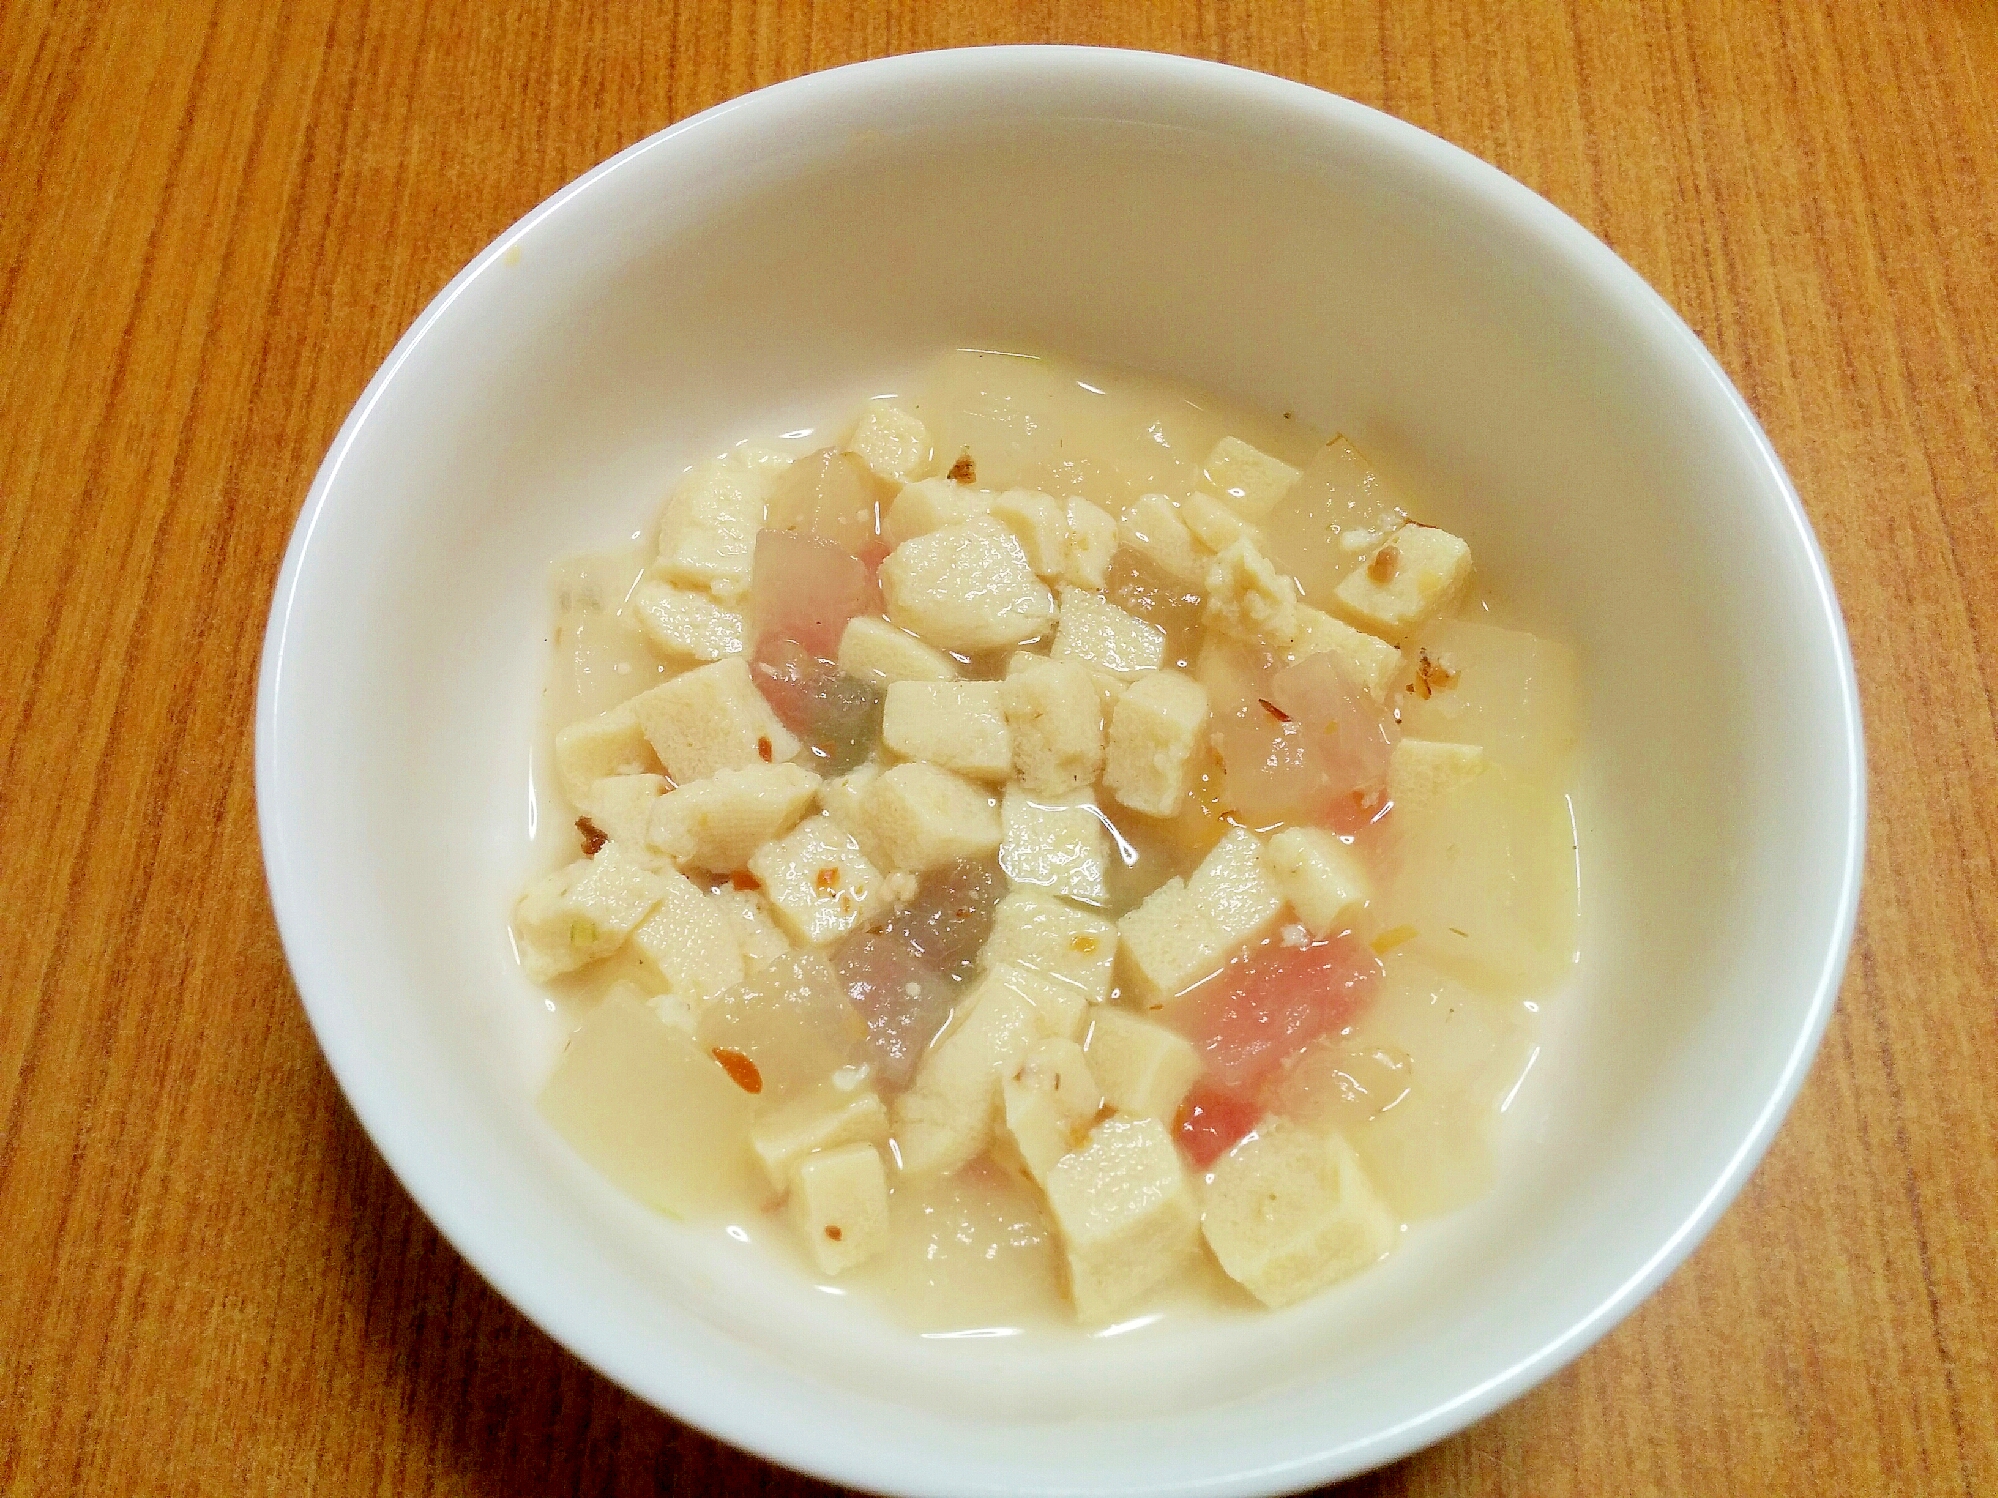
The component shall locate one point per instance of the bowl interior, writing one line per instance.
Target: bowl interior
(762, 267)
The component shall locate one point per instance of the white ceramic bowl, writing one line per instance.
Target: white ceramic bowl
(763, 264)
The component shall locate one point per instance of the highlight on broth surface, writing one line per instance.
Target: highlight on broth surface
(1062, 851)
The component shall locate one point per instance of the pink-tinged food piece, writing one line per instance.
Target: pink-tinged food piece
(950, 915)
(903, 999)
(833, 496)
(1211, 1122)
(1267, 1006)
(838, 716)
(804, 590)
(1303, 745)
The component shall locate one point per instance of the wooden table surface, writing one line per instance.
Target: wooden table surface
(215, 220)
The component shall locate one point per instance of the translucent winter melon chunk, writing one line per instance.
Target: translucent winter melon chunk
(1482, 883)
(791, 1024)
(1034, 424)
(601, 658)
(1337, 493)
(640, 1101)
(970, 1250)
(1462, 1052)
(1512, 692)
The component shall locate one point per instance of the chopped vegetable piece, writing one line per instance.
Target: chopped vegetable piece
(838, 716)
(1266, 1007)
(804, 591)
(902, 997)
(1298, 743)
(951, 914)
(1210, 1122)
(833, 496)
(790, 1026)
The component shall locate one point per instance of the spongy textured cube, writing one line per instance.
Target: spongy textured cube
(1096, 633)
(712, 718)
(717, 823)
(1249, 479)
(930, 504)
(922, 817)
(1423, 770)
(1323, 878)
(1048, 1104)
(958, 725)
(875, 650)
(686, 623)
(1034, 929)
(1126, 1213)
(1412, 575)
(1056, 716)
(895, 444)
(1156, 735)
(823, 1118)
(611, 743)
(1060, 846)
(1144, 1069)
(707, 532)
(839, 1205)
(1248, 598)
(1152, 527)
(818, 882)
(1289, 1212)
(966, 587)
(1185, 930)
(621, 806)
(1092, 541)
(1367, 659)
(583, 911)
(688, 942)
(947, 1115)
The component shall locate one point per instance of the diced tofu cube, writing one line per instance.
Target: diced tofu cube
(921, 817)
(1234, 886)
(948, 1114)
(688, 942)
(1214, 525)
(844, 799)
(892, 443)
(1321, 876)
(1185, 930)
(755, 928)
(1248, 598)
(1153, 529)
(1024, 660)
(1247, 478)
(1423, 770)
(1126, 1213)
(839, 1205)
(707, 532)
(1062, 847)
(931, 504)
(583, 911)
(823, 1118)
(1368, 659)
(1034, 929)
(611, 743)
(1092, 541)
(1156, 734)
(1168, 943)
(686, 624)
(621, 806)
(1144, 1069)
(1096, 633)
(818, 882)
(1289, 1212)
(716, 823)
(712, 718)
(966, 587)
(1413, 575)
(959, 725)
(1049, 1103)
(1055, 713)
(875, 650)
(1040, 522)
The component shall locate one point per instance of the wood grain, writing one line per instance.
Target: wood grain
(215, 219)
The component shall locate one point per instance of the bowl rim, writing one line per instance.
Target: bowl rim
(1580, 253)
